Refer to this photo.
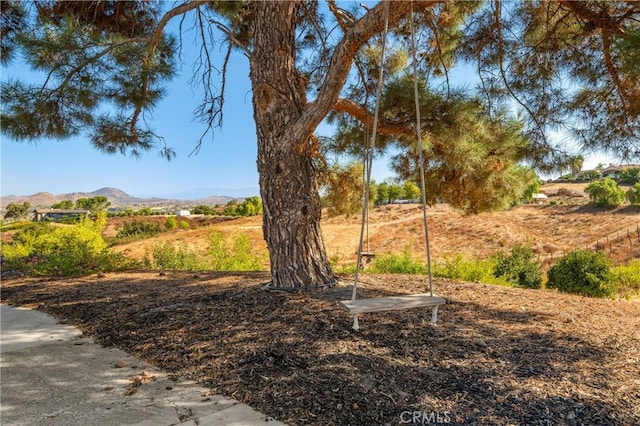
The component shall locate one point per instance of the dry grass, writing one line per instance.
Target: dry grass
(551, 230)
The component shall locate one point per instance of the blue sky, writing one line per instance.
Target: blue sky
(225, 165)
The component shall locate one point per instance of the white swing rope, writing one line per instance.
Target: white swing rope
(420, 149)
(369, 161)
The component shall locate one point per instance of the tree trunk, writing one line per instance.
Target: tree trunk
(288, 181)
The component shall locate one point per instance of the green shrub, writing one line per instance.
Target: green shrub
(138, 229)
(605, 193)
(583, 272)
(630, 176)
(238, 257)
(180, 258)
(171, 223)
(404, 263)
(633, 194)
(521, 268)
(183, 224)
(462, 268)
(626, 279)
(61, 251)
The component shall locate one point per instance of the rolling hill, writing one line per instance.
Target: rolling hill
(117, 197)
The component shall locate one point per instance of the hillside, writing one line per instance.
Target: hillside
(551, 230)
(117, 197)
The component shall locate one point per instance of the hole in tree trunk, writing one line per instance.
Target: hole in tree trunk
(278, 169)
(305, 210)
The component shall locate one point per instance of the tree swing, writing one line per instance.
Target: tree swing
(357, 306)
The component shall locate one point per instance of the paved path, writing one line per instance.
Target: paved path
(53, 375)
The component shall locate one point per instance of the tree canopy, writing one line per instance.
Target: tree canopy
(566, 65)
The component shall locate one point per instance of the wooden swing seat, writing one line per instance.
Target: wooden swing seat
(391, 303)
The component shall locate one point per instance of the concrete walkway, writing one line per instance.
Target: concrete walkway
(52, 375)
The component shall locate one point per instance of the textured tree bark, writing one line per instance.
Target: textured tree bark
(285, 122)
(288, 182)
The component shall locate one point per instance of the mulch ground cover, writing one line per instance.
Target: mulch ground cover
(499, 356)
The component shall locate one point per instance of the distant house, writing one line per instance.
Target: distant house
(183, 213)
(614, 171)
(44, 215)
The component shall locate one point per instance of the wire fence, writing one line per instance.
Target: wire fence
(624, 244)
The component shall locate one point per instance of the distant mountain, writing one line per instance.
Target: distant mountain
(117, 197)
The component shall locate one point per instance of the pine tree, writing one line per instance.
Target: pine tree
(107, 63)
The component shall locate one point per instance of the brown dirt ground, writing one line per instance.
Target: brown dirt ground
(499, 356)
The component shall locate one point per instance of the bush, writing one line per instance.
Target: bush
(171, 223)
(630, 176)
(239, 257)
(521, 268)
(583, 272)
(180, 258)
(61, 251)
(626, 279)
(138, 229)
(605, 193)
(183, 224)
(633, 194)
(461, 268)
(405, 263)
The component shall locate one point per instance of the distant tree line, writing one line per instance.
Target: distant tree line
(93, 204)
(251, 206)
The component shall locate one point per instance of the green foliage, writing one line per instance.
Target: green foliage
(344, 188)
(404, 263)
(633, 194)
(251, 206)
(630, 176)
(61, 251)
(171, 223)
(183, 224)
(138, 229)
(626, 279)
(630, 51)
(63, 205)
(237, 257)
(94, 204)
(410, 190)
(605, 193)
(179, 258)
(521, 268)
(85, 49)
(203, 209)
(588, 175)
(583, 272)
(533, 188)
(462, 268)
(17, 210)
(395, 192)
(471, 158)
(382, 195)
